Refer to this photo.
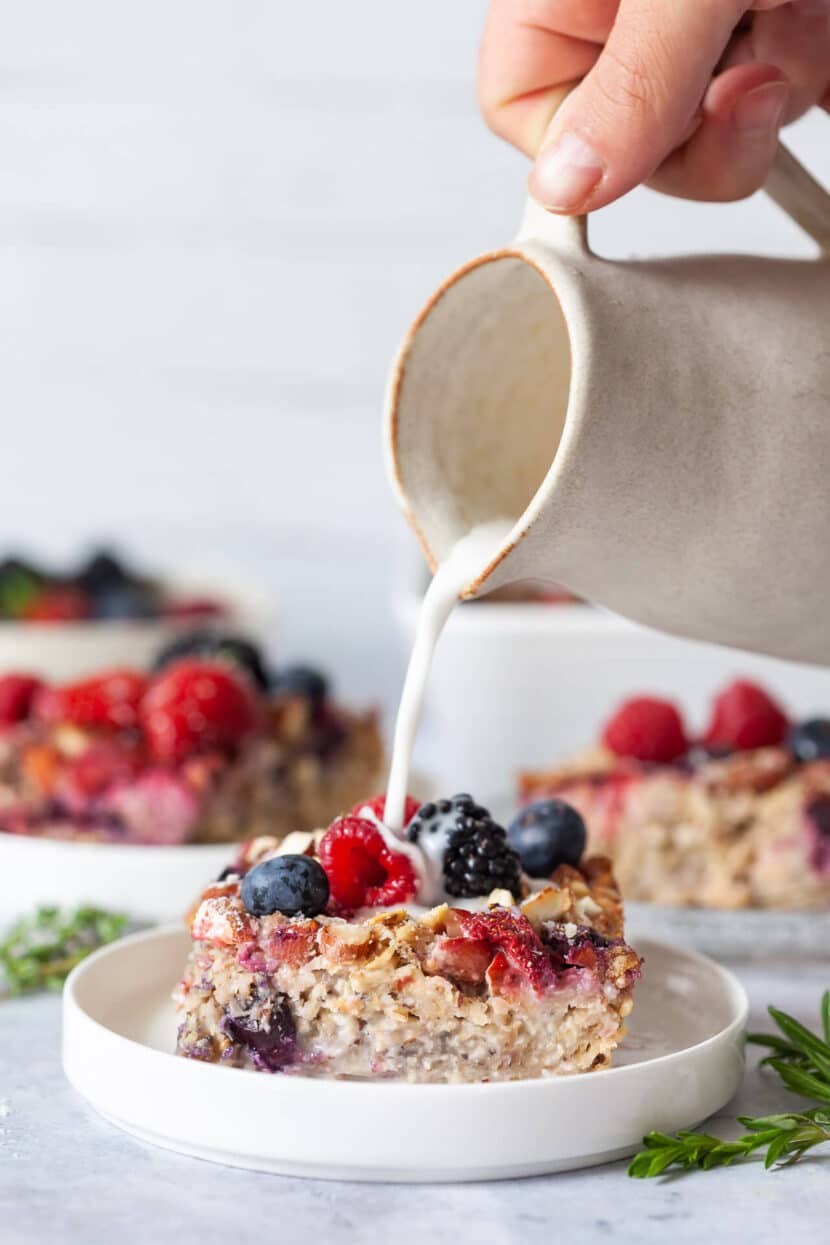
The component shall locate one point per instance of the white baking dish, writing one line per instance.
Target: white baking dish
(522, 685)
(66, 650)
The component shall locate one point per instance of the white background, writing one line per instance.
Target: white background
(216, 220)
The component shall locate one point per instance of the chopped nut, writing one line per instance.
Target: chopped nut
(297, 843)
(551, 904)
(500, 898)
(221, 921)
(346, 943)
(436, 918)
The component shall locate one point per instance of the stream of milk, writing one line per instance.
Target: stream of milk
(466, 561)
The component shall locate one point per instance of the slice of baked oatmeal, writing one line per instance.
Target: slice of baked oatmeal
(510, 986)
(738, 820)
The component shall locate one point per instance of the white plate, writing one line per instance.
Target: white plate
(150, 884)
(682, 1061)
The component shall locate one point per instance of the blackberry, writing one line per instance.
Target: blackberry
(475, 855)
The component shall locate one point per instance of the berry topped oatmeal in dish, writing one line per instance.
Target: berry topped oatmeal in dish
(208, 747)
(739, 818)
(430, 957)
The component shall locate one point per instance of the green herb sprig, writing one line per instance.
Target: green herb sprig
(39, 951)
(802, 1060)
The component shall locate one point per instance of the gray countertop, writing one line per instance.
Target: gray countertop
(68, 1176)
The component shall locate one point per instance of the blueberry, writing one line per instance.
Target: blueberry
(287, 884)
(123, 601)
(102, 570)
(810, 740)
(215, 645)
(547, 834)
(301, 681)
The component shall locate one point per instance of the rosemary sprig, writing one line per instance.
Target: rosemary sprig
(39, 951)
(802, 1060)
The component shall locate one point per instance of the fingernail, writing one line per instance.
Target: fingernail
(565, 173)
(763, 108)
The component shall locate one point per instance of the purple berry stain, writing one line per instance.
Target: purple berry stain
(270, 1049)
(817, 813)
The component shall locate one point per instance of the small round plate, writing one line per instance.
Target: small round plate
(682, 1061)
(149, 884)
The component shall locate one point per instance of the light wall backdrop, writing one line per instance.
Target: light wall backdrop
(216, 220)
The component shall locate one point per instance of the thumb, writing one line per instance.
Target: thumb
(639, 101)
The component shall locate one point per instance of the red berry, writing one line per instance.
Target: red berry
(362, 871)
(196, 706)
(195, 607)
(104, 763)
(17, 691)
(744, 716)
(107, 700)
(646, 729)
(61, 603)
(378, 807)
(512, 935)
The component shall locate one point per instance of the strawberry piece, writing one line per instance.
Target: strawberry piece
(463, 959)
(197, 706)
(17, 691)
(744, 716)
(378, 807)
(647, 729)
(511, 934)
(60, 603)
(362, 871)
(107, 700)
(503, 979)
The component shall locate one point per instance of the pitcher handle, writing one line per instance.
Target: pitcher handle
(788, 184)
(797, 193)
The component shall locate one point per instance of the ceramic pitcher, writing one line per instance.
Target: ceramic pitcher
(658, 431)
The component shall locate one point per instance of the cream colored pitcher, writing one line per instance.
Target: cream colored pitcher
(659, 430)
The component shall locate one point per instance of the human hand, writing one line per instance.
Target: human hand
(688, 95)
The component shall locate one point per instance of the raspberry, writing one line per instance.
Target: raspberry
(744, 716)
(61, 603)
(17, 691)
(378, 807)
(195, 706)
(362, 871)
(108, 700)
(646, 729)
(514, 936)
